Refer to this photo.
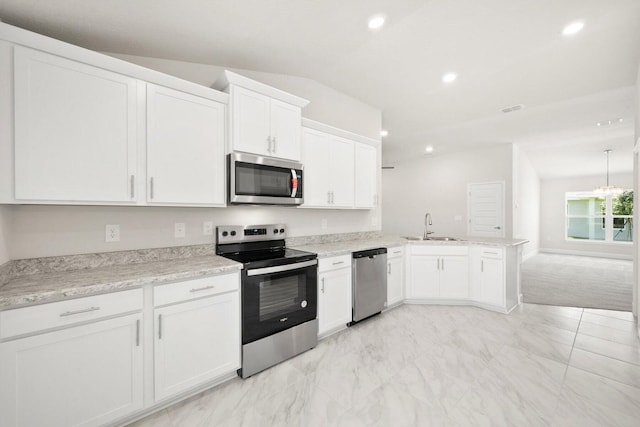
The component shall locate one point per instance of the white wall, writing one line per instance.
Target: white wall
(438, 184)
(5, 233)
(526, 196)
(39, 231)
(552, 217)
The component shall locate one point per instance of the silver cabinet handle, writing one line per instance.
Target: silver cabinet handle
(268, 144)
(497, 227)
(274, 144)
(133, 191)
(151, 187)
(322, 288)
(159, 326)
(332, 199)
(204, 288)
(86, 310)
(328, 197)
(397, 252)
(481, 266)
(338, 263)
(138, 333)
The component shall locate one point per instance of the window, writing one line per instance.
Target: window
(599, 217)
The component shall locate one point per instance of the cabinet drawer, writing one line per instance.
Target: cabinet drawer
(64, 313)
(395, 252)
(196, 288)
(334, 263)
(438, 250)
(495, 253)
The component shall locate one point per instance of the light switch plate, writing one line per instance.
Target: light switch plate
(180, 230)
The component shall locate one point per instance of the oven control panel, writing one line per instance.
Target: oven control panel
(250, 233)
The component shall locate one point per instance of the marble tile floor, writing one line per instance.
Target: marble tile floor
(425, 365)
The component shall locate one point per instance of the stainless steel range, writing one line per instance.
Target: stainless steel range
(279, 294)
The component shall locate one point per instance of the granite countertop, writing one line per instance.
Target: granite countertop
(51, 286)
(345, 247)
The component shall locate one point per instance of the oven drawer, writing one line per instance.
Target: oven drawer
(27, 320)
(196, 288)
(334, 263)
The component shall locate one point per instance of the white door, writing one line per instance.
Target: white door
(425, 276)
(334, 300)
(185, 148)
(315, 158)
(195, 342)
(285, 130)
(395, 280)
(454, 278)
(365, 176)
(485, 205)
(81, 376)
(75, 131)
(341, 172)
(250, 121)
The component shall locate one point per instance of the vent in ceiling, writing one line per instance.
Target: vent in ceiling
(513, 108)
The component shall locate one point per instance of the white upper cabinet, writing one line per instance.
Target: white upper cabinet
(75, 131)
(366, 176)
(185, 148)
(263, 120)
(328, 170)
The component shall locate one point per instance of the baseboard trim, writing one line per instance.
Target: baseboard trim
(586, 253)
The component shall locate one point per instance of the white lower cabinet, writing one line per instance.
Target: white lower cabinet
(197, 340)
(84, 375)
(395, 275)
(488, 275)
(438, 272)
(334, 294)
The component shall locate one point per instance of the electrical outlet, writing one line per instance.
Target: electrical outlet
(207, 228)
(180, 230)
(324, 224)
(112, 233)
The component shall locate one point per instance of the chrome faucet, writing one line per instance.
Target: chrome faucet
(427, 223)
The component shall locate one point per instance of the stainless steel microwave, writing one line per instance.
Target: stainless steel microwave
(261, 180)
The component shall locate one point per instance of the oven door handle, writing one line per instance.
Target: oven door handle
(279, 268)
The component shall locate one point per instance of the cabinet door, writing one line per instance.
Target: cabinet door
(250, 121)
(341, 171)
(395, 280)
(492, 281)
(315, 158)
(454, 277)
(286, 129)
(334, 300)
(185, 148)
(75, 131)
(82, 376)
(365, 176)
(425, 276)
(195, 342)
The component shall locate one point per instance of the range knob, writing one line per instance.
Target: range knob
(225, 234)
(233, 233)
(282, 230)
(275, 231)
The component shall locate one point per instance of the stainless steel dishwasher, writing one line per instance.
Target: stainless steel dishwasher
(369, 283)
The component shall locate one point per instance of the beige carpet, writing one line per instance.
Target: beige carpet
(578, 281)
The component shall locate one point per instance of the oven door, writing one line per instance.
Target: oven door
(278, 298)
(263, 180)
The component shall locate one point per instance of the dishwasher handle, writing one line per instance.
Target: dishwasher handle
(370, 253)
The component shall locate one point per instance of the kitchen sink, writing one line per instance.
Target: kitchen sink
(439, 239)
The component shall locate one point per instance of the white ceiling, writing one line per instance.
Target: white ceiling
(505, 52)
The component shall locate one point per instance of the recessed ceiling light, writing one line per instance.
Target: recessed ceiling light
(573, 28)
(376, 22)
(449, 77)
(384, 133)
(428, 149)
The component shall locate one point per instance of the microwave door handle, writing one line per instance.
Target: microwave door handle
(294, 183)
